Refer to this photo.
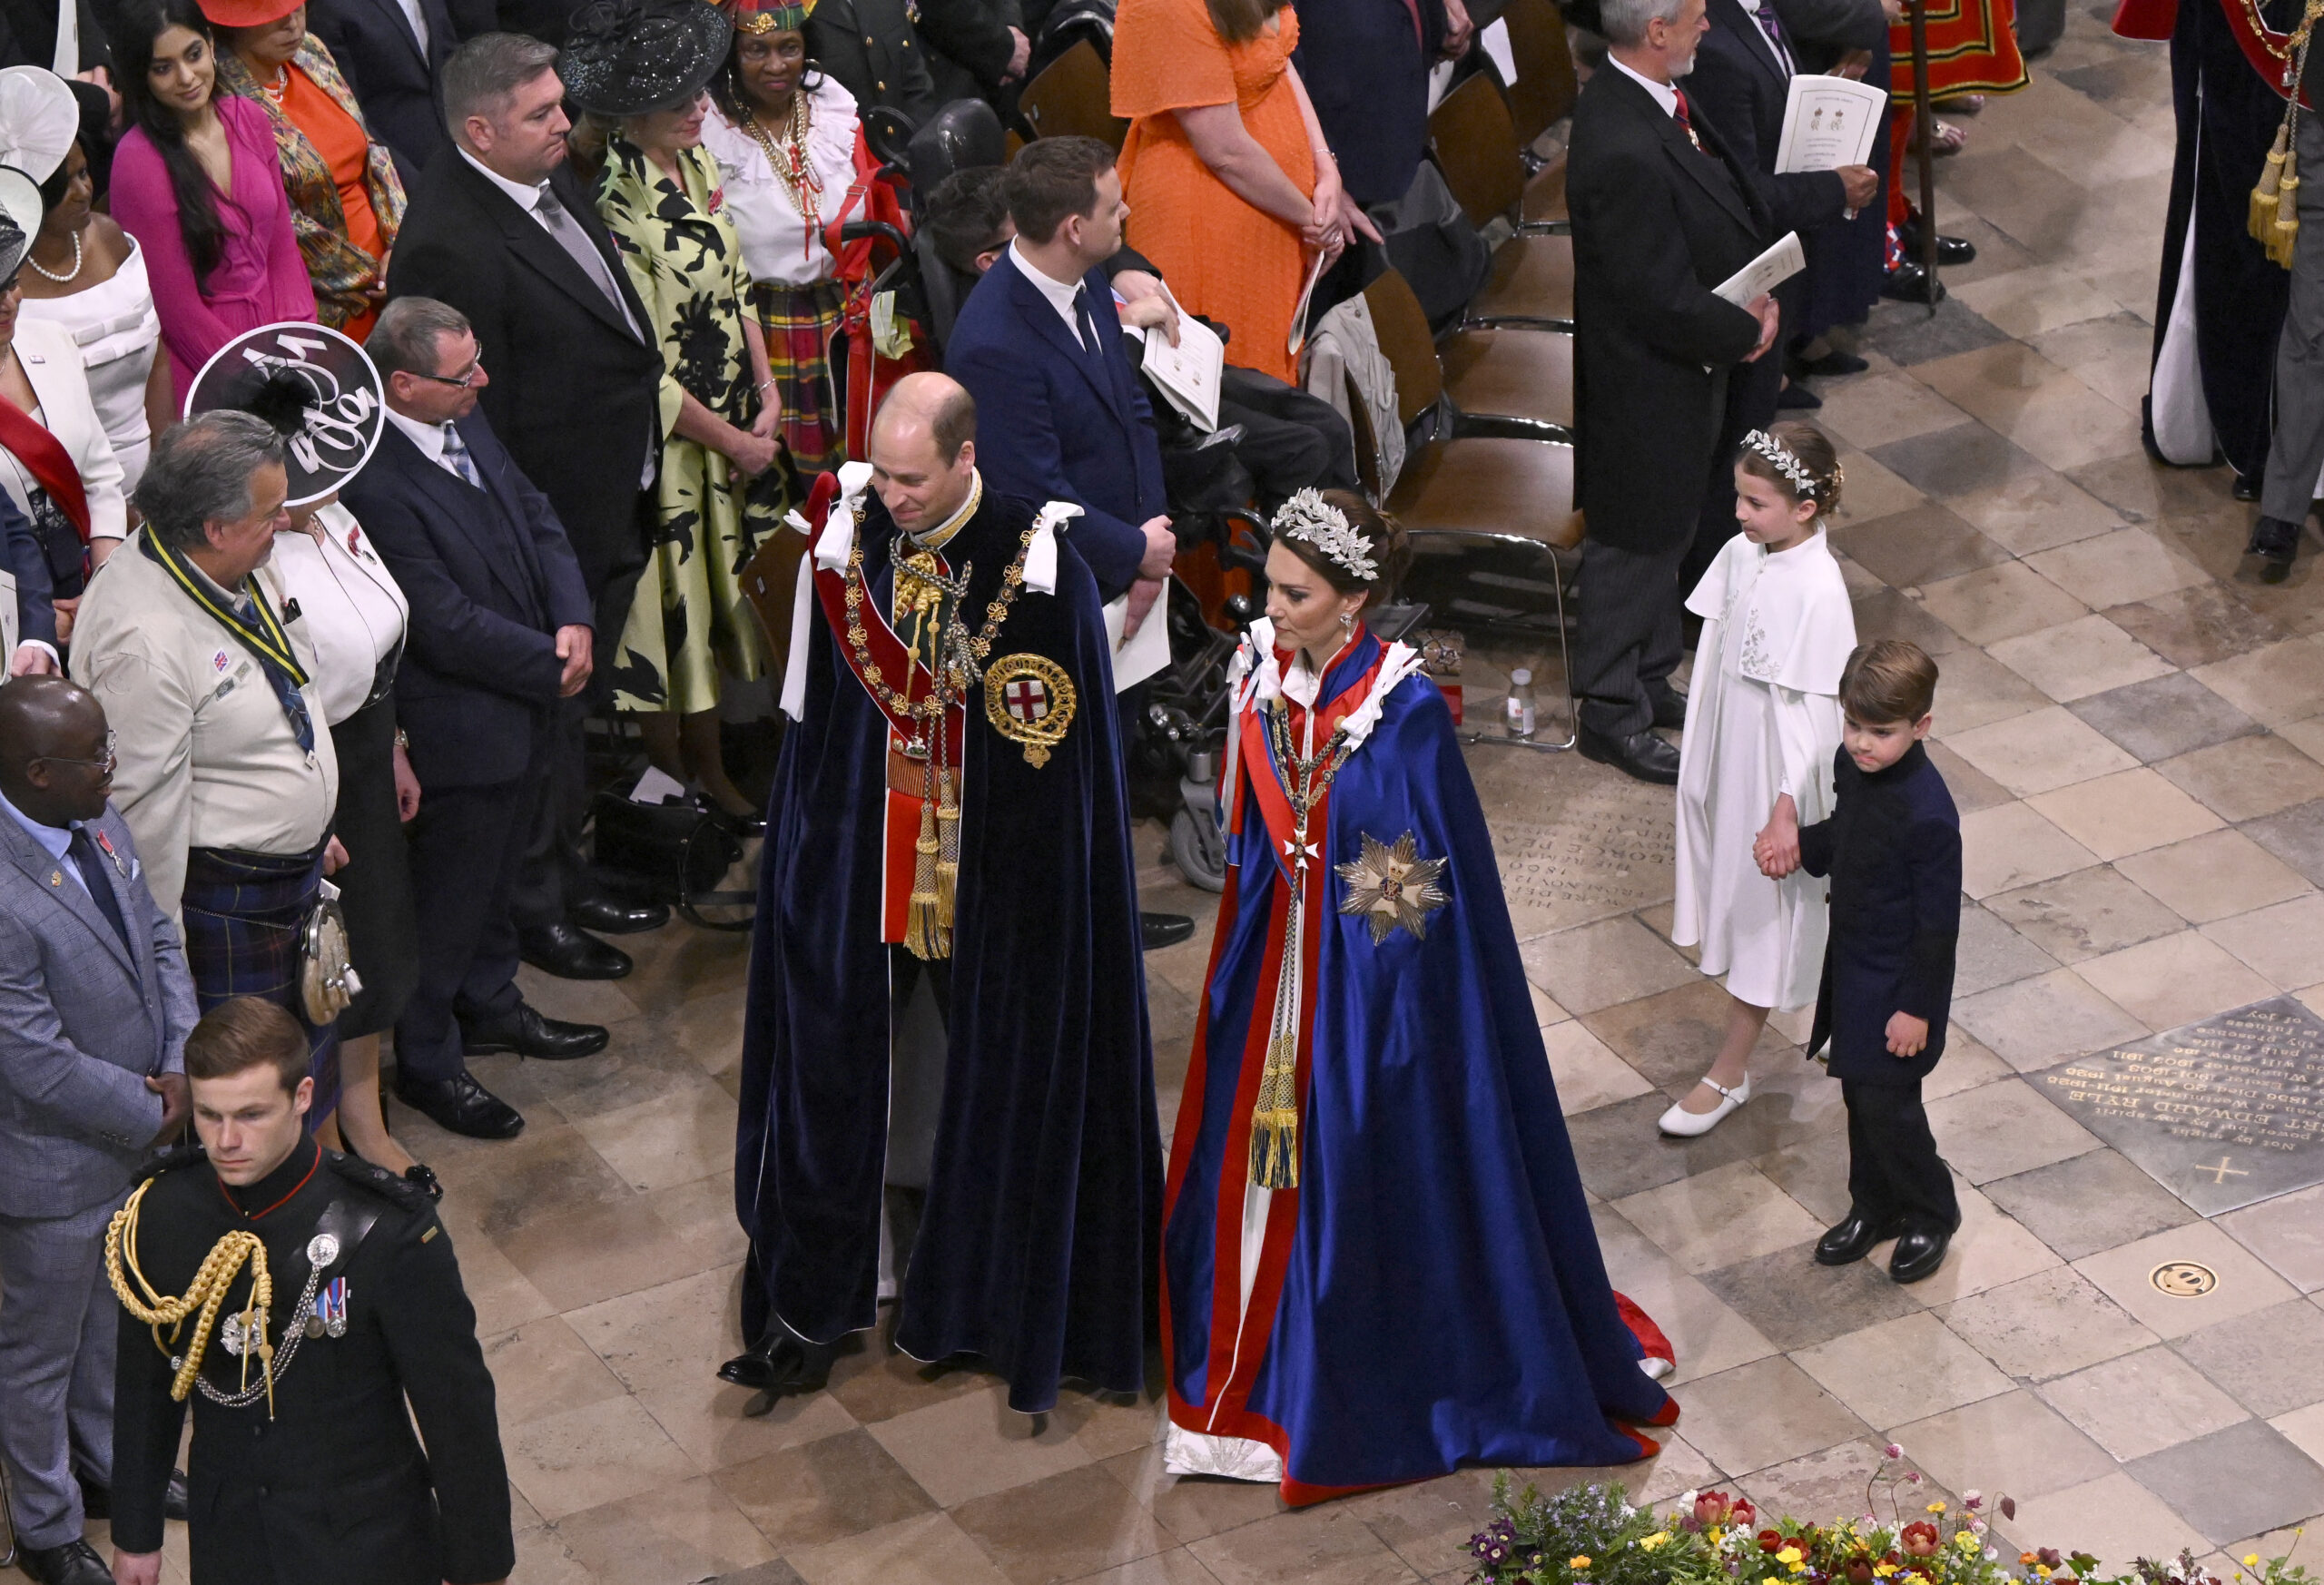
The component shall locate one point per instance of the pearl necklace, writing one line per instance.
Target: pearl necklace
(71, 274)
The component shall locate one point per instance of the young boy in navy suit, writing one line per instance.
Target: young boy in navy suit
(1892, 848)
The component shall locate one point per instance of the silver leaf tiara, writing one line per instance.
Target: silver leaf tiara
(1803, 482)
(1308, 517)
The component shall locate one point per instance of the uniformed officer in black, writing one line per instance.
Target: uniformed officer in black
(326, 1481)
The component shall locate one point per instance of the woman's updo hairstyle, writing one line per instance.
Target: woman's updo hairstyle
(1798, 459)
(1391, 550)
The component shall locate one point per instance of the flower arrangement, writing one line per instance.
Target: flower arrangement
(1594, 1535)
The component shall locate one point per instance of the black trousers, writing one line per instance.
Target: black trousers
(467, 847)
(1895, 1174)
(1291, 441)
(553, 873)
(1628, 641)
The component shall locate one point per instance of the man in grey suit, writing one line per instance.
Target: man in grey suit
(95, 1006)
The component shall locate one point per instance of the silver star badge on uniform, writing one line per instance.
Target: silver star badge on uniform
(1392, 886)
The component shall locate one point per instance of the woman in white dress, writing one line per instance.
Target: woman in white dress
(1763, 723)
(786, 140)
(88, 275)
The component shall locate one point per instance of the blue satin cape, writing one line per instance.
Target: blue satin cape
(1036, 1249)
(1443, 1297)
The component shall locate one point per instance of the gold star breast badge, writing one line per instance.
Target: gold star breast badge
(1391, 885)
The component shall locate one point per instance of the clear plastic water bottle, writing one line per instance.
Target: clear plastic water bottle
(1521, 719)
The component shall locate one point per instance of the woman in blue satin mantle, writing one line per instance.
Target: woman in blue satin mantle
(1377, 1261)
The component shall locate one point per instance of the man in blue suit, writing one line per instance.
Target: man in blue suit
(1039, 344)
(95, 1001)
(499, 632)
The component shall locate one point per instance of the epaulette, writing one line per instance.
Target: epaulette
(169, 1161)
(400, 1192)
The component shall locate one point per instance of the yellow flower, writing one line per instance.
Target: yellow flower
(1883, 1569)
(1788, 1555)
(2252, 1559)
(1965, 1539)
(1936, 1508)
(1656, 1542)
(1576, 1564)
(1800, 1568)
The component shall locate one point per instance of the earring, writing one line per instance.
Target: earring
(1347, 620)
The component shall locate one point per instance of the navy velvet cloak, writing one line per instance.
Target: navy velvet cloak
(1441, 1296)
(1037, 1247)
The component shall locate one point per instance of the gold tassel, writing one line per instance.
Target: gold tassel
(2285, 234)
(2266, 198)
(924, 931)
(948, 855)
(1274, 1120)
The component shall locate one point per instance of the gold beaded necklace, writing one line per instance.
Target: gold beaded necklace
(787, 155)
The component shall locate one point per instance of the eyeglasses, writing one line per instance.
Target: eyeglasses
(106, 765)
(464, 381)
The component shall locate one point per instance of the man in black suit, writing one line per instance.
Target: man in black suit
(501, 230)
(498, 637)
(1663, 212)
(393, 53)
(1741, 83)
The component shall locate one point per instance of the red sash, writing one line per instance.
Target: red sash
(48, 463)
(2253, 36)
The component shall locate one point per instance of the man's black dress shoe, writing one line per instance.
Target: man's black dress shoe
(1641, 755)
(1950, 251)
(2244, 489)
(1797, 397)
(570, 953)
(530, 1033)
(2277, 542)
(1908, 283)
(73, 1563)
(460, 1105)
(609, 918)
(1850, 1241)
(1919, 1254)
(96, 1502)
(1831, 365)
(1157, 930)
(1670, 711)
(781, 1363)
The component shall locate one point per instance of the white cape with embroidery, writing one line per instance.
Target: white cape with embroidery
(1763, 718)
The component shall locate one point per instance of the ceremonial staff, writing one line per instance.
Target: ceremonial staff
(1924, 125)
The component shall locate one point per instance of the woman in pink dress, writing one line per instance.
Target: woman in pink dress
(197, 181)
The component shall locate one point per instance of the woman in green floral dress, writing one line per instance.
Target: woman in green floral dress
(659, 195)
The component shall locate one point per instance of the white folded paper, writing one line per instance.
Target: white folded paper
(1187, 374)
(1147, 650)
(1828, 122)
(1766, 272)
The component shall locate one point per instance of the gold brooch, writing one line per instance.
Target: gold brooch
(1029, 699)
(1392, 886)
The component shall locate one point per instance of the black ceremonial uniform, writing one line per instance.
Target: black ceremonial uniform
(335, 1486)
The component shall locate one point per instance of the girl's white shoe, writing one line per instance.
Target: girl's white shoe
(1686, 1124)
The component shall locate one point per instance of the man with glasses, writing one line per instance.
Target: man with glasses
(95, 1002)
(227, 774)
(499, 635)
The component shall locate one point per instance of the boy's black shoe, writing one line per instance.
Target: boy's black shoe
(1850, 1241)
(1919, 1254)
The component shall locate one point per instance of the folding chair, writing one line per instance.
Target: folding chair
(1545, 89)
(1475, 145)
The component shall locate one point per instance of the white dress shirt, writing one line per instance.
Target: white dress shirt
(1664, 93)
(428, 438)
(1060, 293)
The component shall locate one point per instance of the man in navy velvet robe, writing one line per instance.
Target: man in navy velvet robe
(1037, 1246)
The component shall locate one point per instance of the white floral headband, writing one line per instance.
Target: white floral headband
(1786, 462)
(1308, 517)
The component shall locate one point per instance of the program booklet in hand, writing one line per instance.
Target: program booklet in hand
(1187, 374)
(1828, 122)
(1766, 272)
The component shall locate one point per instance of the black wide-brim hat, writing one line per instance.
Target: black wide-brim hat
(627, 57)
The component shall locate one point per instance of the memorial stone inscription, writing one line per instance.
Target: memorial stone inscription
(2222, 1113)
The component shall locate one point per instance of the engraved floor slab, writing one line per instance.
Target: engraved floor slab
(1575, 844)
(2223, 1114)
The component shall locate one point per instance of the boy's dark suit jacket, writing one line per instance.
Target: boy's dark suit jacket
(491, 579)
(1891, 847)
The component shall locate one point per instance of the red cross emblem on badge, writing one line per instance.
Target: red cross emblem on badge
(1027, 699)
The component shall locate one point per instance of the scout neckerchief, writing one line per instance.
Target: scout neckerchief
(260, 632)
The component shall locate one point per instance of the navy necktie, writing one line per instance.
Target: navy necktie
(295, 702)
(1094, 348)
(92, 865)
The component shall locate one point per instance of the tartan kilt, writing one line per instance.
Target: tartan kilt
(798, 322)
(243, 914)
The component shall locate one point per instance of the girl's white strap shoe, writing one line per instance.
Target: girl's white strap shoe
(1686, 1124)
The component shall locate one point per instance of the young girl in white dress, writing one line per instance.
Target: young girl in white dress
(1763, 723)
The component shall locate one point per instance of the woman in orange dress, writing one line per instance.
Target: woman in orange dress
(1232, 189)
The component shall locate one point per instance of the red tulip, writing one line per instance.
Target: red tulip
(1743, 1516)
(1712, 1508)
(1771, 1541)
(1920, 1539)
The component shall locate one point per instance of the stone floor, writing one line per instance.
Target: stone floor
(2130, 726)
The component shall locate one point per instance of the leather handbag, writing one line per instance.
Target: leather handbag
(679, 851)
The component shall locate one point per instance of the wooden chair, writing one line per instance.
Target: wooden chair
(1073, 94)
(1488, 500)
(1518, 382)
(1475, 145)
(770, 585)
(1546, 88)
